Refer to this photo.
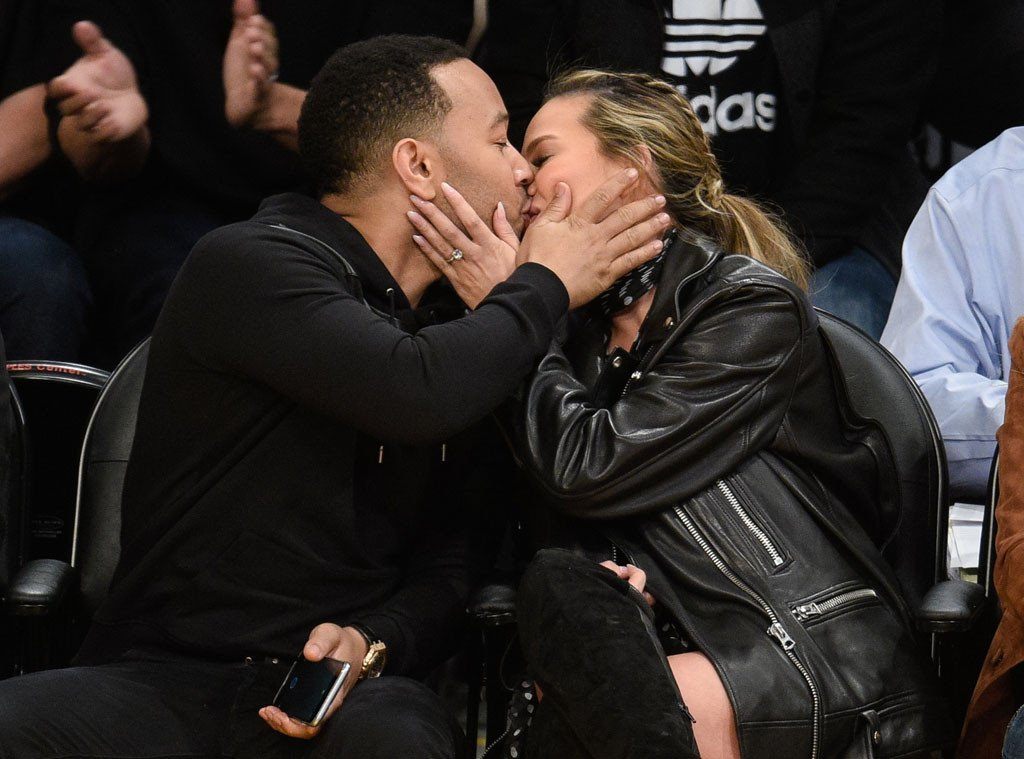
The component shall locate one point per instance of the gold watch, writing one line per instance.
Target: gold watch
(375, 659)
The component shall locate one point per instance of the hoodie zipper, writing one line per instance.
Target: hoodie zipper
(815, 609)
(752, 527)
(775, 629)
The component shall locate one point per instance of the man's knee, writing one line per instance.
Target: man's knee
(391, 717)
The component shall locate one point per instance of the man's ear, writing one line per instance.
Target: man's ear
(418, 166)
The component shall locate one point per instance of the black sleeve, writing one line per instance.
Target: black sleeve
(696, 414)
(263, 308)
(877, 64)
(424, 622)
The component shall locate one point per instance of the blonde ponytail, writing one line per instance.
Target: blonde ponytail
(628, 112)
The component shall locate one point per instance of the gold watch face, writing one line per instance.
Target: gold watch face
(376, 657)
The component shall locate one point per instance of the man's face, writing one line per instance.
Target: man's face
(479, 161)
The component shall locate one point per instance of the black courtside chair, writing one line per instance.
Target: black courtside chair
(57, 398)
(58, 598)
(14, 494)
(910, 529)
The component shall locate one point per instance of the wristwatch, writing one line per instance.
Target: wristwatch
(376, 654)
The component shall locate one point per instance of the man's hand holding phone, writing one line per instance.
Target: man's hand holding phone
(344, 644)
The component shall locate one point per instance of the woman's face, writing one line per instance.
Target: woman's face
(561, 149)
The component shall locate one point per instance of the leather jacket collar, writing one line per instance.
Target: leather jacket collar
(685, 262)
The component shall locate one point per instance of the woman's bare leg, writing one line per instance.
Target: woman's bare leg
(704, 694)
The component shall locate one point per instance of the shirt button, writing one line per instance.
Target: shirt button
(617, 362)
(669, 323)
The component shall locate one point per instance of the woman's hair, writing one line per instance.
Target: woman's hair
(631, 111)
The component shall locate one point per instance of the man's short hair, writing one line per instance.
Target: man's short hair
(367, 97)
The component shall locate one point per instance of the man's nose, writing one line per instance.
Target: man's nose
(522, 170)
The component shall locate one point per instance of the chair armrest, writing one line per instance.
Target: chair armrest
(493, 605)
(950, 606)
(39, 588)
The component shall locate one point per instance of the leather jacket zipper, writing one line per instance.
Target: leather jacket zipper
(827, 606)
(775, 630)
(637, 373)
(759, 535)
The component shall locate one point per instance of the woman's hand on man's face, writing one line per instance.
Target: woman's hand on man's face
(589, 248)
(487, 257)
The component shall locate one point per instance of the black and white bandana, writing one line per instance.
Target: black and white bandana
(626, 289)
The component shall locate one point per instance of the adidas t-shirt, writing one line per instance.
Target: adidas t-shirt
(719, 55)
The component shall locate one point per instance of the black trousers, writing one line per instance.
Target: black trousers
(590, 642)
(153, 708)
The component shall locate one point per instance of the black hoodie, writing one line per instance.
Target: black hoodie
(289, 465)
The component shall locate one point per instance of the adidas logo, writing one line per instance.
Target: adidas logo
(708, 35)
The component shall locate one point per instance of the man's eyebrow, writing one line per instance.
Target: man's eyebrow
(536, 141)
(501, 118)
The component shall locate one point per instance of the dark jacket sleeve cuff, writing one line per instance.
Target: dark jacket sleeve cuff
(547, 283)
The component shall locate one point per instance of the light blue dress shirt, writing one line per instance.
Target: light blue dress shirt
(961, 290)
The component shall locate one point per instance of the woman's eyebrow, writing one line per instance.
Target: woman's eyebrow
(536, 141)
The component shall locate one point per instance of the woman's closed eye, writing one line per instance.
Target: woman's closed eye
(539, 161)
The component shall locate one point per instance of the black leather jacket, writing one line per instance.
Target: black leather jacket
(714, 455)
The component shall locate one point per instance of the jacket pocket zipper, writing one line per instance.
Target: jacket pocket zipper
(752, 527)
(775, 630)
(827, 606)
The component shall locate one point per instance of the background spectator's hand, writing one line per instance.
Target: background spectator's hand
(250, 64)
(633, 575)
(487, 257)
(99, 94)
(326, 640)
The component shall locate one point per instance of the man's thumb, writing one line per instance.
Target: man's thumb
(90, 38)
(560, 205)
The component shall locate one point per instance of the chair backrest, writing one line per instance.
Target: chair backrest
(912, 522)
(14, 483)
(57, 398)
(987, 551)
(96, 543)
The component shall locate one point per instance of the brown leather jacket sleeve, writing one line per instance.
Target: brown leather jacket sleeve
(717, 395)
(1009, 569)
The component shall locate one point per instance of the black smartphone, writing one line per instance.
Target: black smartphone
(310, 687)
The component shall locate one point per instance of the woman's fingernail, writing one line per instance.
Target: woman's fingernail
(656, 245)
(413, 215)
(419, 240)
(663, 218)
(416, 199)
(632, 173)
(501, 207)
(447, 187)
(660, 200)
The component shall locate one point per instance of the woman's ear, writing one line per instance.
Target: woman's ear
(418, 167)
(646, 160)
(650, 180)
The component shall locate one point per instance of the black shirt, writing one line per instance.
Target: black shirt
(291, 463)
(724, 63)
(177, 48)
